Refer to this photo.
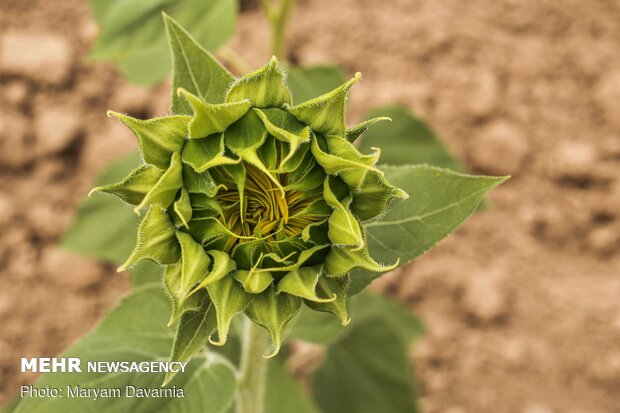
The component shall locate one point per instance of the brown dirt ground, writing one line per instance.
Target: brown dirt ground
(522, 304)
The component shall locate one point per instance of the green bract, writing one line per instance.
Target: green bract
(254, 204)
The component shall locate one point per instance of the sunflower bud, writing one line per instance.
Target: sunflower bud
(256, 204)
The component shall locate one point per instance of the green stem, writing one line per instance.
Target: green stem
(278, 15)
(253, 375)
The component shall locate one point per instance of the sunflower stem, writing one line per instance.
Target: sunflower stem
(278, 15)
(253, 375)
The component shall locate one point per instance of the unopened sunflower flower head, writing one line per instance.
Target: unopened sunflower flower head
(256, 204)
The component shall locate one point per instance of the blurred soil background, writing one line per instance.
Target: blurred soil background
(522, 304)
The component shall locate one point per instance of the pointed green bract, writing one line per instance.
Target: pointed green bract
(342, 260)
(335, 287)
(178, 293)
(254, 283)
(183, 208)
(194, 69)
(344, 229)
(356, 131)
(375, 197)
(302, 283)
(156, 240)
(204, 154)
(229, 298)
(165, 190)
(192, 334)
(325, 114)
(158, 138)
(264, 88)
(273, 311)
(285, 128)
(135, 186)
(212, 118)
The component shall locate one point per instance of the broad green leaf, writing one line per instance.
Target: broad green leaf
(195, 69)
(146, 272)
(367, 369)
(309, 82)
(133, 36)
(264, 88)
(325, 113)
(136, 331)
(440, 201)
(284, 394)
(407, 139)
(315, 327)
(273, 311)
(103, 227)
(369, 307)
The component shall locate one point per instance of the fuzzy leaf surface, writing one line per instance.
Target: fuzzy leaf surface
(132, 32)
(439, 202)
(193, 68)
(136, 331)
(367, 369)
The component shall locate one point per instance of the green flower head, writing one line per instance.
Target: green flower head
(254, 204)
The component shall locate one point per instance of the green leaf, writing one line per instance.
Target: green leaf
(156, 240)
(159, 138)
(284, 394)
(103, 227)
(407, 140)
(146, 272)
(440, 202)
(309, 82)
(195, 69)
(132, 33)
(273, 311)
(315, 327)
(264, 88)
(367, 370)
(136, 331)
(325, 113)
(192, 334)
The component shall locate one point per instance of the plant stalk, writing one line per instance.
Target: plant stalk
(253, 375)
(278, 15)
